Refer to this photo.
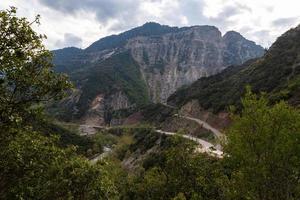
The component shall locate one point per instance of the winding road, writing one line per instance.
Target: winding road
(106, 152)
(204, 146)
(204, 124)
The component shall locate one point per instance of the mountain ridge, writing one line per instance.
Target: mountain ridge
(277, 73)
(149, 26)
(167, 58)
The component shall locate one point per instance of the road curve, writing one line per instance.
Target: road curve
(204, 146)
(106, 152)
(204, 124)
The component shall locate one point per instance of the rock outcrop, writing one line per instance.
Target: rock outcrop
(276, 74)
(175, 59)
(100, 109)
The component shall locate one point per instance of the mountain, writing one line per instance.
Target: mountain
(115, 41)
(277, 73)
(145, 64)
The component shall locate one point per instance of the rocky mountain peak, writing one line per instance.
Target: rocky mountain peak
(277, 73)
(238, 49)
(113, 41)
(205, 28)
(205, 32)
(151, 25)
(233, 35)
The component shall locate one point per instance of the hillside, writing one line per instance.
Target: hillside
(113, 84)
(142, 65)
(277, 73)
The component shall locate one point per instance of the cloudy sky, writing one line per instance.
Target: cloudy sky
(81, 22)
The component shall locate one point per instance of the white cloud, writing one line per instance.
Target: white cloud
(261, 21)
(81, 22)
(69, 40)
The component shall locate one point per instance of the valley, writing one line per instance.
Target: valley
(198, 110)
(153, 112)
(203, 145)
(188, 110)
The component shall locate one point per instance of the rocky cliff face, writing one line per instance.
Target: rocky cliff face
(277, 74)
(175, 59)
(101, 106)
(166, 58)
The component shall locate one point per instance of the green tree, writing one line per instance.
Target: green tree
(26, 75)
(263, 151)
(35, 168)
(178, 172)
(195, 175)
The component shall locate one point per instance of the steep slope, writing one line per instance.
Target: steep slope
(67, 59)
(159, 60)
(238, 49)
(277, 73)
(179, 58)
(113, 84)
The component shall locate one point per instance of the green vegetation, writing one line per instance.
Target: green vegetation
(173, 169)
(66, 60)
(104, 138)
(157, 113)
(67, 136)
(262, 151)
(26, 75)
(261, 159)
(32, 165)
(208, 136)
(117, 73)
(123, 113)
(276, 73)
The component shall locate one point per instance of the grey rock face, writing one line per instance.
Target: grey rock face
(175, 59)
(238, 49)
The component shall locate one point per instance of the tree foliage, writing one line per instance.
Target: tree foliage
(26, 75)
(33, 165)
(263, 151)
(262, 160)
(36, 168)
(177, 172)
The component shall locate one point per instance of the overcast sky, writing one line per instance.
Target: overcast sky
(81, 22)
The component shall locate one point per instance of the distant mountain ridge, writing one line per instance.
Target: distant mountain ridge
(113, 41)
(166, 58)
